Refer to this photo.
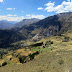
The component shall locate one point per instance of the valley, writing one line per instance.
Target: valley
(54, 55)
(35, 45)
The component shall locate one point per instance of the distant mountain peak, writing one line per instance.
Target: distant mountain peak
(26, 22)
(4, 24)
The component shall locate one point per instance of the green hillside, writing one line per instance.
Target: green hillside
(54, 56)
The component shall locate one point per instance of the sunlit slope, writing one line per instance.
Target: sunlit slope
(56, 57)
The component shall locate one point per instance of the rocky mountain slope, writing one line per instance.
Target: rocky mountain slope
(53, 25)
(4, 24)
(8, 36)
(26, 22)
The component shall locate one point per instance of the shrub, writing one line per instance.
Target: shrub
(36, 53)
(48, 43)
(0, 65)
(59, 34)
(37, 44)
(4, 63)
(60, 62)
(1, 55)
(22, 59)
(33, 55)
(66, 39)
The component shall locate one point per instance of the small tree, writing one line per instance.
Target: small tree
(66, 39)
(22, 59)
(1, 55)
(4, 63)
(33, 55)
(60, 61)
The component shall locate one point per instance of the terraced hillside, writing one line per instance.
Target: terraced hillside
(55, 55)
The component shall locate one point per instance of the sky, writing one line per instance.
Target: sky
(17, 10)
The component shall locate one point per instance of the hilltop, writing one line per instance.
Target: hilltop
(26, 22)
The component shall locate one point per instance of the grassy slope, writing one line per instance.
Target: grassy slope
(56, 58)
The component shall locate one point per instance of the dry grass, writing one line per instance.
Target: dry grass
(57, 60)
(24, 52)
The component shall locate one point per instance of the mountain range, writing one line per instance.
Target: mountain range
(53, 25)
(26, 22)
(4, 24)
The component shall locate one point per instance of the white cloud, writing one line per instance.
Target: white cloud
(9, 15)
(11, 18)
(50, 4)
(36, 16)
(66, 6)
(50, 7)
(68, 0)
(14, 15)
(40, 8)
(15, 18)
(28, 15)
(3, 17)
(1, 0)
(10, 8)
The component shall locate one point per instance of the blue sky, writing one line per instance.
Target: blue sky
(16, 10)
